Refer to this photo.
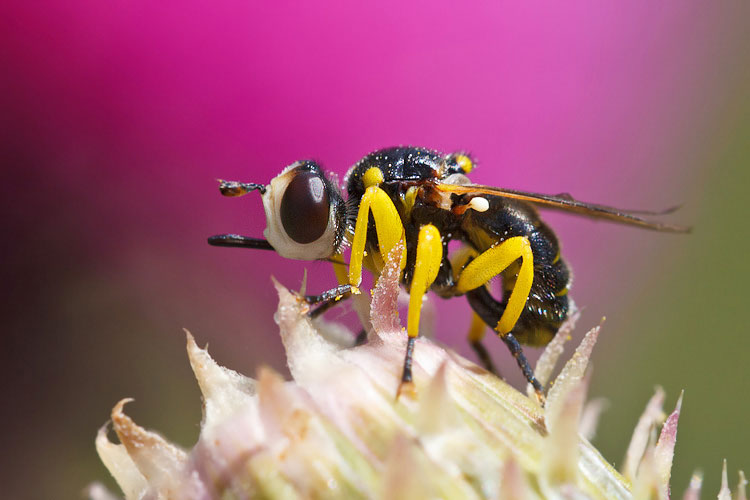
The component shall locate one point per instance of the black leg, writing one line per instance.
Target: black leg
(484, 357)
(328, 299)
(236, 240)
(406, 374)
(490, 310)
(407, 385)
(314, 313)
(329, 295)
(523, 363)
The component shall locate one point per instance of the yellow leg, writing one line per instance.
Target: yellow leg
(426, 267)
(339, 269)
(460, 257)
(493, 262)
(476, 333)
(477, 328)
(387, 225)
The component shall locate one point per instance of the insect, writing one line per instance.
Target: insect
(424, 199)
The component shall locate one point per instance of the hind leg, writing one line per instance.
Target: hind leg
(490, 310)
(502, 317)
(475, 336)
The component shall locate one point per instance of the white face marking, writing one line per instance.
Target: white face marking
(321, 248)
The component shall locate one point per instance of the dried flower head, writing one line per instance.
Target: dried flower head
(338, 431)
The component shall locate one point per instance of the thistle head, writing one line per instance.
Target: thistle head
(336, 430)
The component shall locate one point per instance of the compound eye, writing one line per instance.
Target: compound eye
(305, 207)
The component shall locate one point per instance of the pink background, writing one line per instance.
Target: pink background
(117, 117)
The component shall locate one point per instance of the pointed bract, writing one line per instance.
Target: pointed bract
(118, 462)
(552, 351)
(437, 411)
(694, 489)
(590, 417)
(224, 391)
(724, 493)
(742, 487)
(306, 349)
(646, 485)
(384, 307)
(664, 450)
(161, 462)
(560, 458)
(571, 374)
(652, 415)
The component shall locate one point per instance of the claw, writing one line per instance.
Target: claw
(407, 389)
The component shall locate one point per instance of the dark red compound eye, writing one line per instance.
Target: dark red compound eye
(305, 207)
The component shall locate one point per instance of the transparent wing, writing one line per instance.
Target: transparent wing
(567, 203)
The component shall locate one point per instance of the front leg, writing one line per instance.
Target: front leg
(329, 298)
(389, 230)
(388, 225)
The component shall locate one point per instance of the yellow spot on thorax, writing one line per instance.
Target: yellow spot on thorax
(465, 163)
(373, 177)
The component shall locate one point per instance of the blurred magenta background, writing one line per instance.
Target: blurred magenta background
(117, 117)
